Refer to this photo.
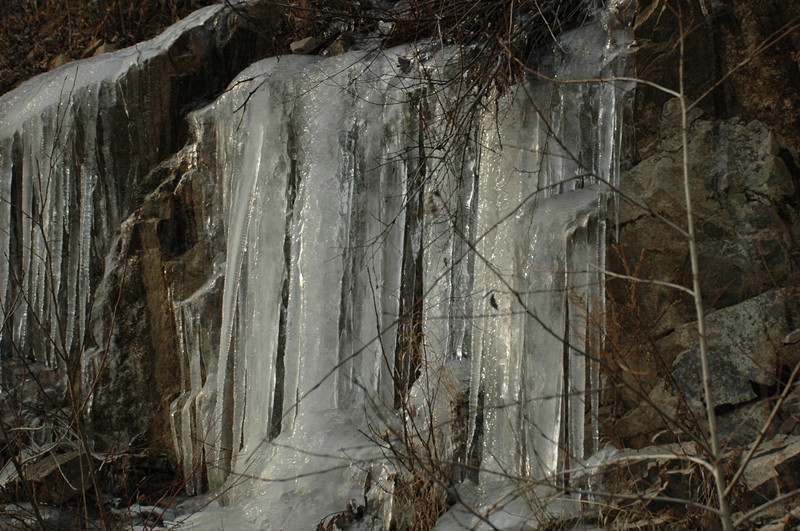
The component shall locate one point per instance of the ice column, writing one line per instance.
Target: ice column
(543, 190)
(383, 250)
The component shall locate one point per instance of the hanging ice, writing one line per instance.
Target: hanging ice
(67, 182)
(412, 272)
(392, 258)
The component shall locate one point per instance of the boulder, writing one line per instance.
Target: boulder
(743, 343)
(55, 477)
(748, 364)
(773, 470)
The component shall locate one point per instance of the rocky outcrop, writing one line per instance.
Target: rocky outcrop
(101, 207)
(743, 176)
(747, 49)
(748, 362)
(164, 253)
(748, 228)
(164, 250)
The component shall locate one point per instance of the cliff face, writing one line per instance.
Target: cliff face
(93, 234)
(134, 262)
(742, 153)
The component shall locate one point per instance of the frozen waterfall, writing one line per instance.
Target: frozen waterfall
(408, 267)
(409, 271)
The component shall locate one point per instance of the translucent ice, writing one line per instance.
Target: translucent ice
(393, 263)
(412, 267)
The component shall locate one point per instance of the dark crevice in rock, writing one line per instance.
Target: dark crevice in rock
(786, 156)
(280, 367)
(721, 409)
(476, 445)
(408, 348)
(460, 424)
(630, 222)
(764, 391)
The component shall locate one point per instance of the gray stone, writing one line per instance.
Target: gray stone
(54, 477)
(773, 470)
(671, 124)
(741, 426)
(105, 47)
(304, 46)
(746, 222)
(745, 357)
(743, 342)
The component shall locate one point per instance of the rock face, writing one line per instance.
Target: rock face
(743, 349)
(747, 221)
(742, 155)
(747, 229)
(120, 115)
(144, 294)
(165, 252)
(728, 39)
(747, 361)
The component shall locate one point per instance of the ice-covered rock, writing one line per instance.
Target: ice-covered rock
(358, 269)
(77, 148)
(400, 261)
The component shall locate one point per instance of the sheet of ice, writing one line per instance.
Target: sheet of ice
(37, 95)
(315, 195)
(381, 249)
(540, 272)
(364, 215)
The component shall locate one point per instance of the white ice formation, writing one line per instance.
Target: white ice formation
(412, 275)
